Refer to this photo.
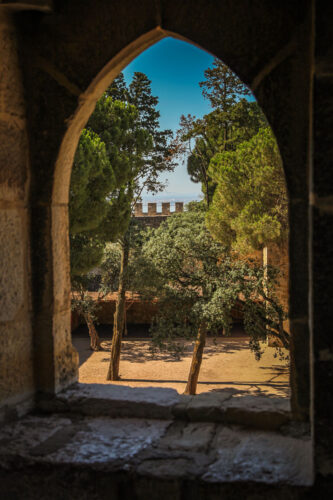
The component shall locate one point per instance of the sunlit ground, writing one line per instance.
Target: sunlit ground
(227, 362)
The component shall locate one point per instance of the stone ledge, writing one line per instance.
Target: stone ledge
(226, 405)
(157, 449)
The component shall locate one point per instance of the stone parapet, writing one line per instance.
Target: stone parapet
(153, 209)
(166, 208)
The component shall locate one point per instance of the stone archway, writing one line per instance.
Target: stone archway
(269, 47)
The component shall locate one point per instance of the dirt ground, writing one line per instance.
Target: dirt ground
(227, 362)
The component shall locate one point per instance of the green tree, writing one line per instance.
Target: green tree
(110, 148)
(233, 120)
(198, 282)
(145, 176)
(250, 204)
(111, 151)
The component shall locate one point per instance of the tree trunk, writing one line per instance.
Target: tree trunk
(94, 338)
(196, 360)
(207, 190)
(125, 321)
(119, 317)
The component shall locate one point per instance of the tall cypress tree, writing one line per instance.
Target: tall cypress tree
(157, 160)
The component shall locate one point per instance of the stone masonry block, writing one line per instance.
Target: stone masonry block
(12, 270)
(138, 209)
(16, 359)
(165, 208)
(11, 91)
(13, 160)
(66, 359)
(152, 209)
(60, 246)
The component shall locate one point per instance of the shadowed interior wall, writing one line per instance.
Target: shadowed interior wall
(16, 342)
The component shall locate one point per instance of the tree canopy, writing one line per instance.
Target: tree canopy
(250, 205)
(233, 120)
(111, 147)
(198, 282)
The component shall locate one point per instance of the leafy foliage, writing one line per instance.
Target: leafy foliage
(198, 281)
(159, 158)
(109, 154)
(233, 120)
(250, 207)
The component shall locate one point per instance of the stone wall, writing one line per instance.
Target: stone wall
(152, 217)
(16, 340)
(138, 312)
(153, 210)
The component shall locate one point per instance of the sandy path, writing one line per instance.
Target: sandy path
(227, 363)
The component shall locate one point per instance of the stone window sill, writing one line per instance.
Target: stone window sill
(161, 436)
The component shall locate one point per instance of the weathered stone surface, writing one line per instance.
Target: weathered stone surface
(115, 400)
(12, 103)
(14, 268)
(16, 360)
(148, 448)
(226, 405)
(28, 434)
(91, 440)
(13, 160)
(260, 457)
(62, 286)
(188, 436)
(209, 407)
(258, 412)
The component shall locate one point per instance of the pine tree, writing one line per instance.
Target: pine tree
(250, 204)
(233, 119)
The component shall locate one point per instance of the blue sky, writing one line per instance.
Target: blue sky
(175, 69)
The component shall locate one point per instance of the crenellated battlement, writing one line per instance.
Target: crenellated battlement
(157, 209)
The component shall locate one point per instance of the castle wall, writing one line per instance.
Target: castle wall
(16, 336)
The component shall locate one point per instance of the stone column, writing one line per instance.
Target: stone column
(16, 337)
(321, 238)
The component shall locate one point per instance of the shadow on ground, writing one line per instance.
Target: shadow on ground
(137, 346)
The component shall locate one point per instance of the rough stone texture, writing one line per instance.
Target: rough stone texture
(16, 358)
(62, 286)
(65, 356)
(154, 449)
(13, 158)
(13, 145)
(225, 405)
(16, 353)
(12, 272)
(115, 401)
(322, 237)
(262, 456)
